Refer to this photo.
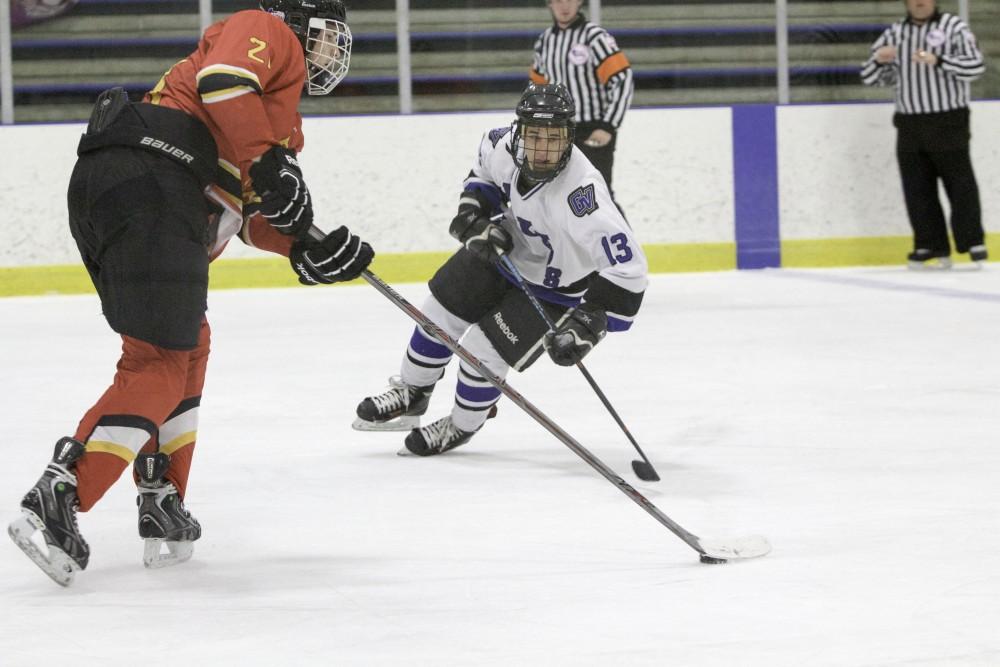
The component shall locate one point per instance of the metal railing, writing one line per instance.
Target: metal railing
(403, 51)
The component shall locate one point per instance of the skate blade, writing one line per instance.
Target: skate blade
(154, 558)
(940, 264)
(56, 563)
(398, 424)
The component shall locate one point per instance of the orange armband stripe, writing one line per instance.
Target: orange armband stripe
(612, 65)
(536, 77)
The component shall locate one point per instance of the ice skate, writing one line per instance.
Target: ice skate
(397, 409)
(922, 259)
(168, 529)
(47, 531)
(436, 438)
(978, 255)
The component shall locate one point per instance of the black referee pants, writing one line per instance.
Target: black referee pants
(602, 157)
(935, 146)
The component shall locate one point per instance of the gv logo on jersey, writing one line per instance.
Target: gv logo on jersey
(583, 200)
(579, 54)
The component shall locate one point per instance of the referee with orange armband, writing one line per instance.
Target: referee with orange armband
(585, 58)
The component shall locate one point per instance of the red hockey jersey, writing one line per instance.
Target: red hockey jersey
(243, 82)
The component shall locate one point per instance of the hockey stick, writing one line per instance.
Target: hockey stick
(709, 550)
(643, 469)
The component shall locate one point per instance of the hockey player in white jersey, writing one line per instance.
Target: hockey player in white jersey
(533, 196)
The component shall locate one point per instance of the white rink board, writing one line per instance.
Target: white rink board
(395, 179)
(838, 175)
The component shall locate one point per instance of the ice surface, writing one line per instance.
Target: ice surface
(848, 415)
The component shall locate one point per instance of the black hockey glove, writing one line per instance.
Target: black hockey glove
(484, 239)
(284, 197)
(339, 257)
(576, 336)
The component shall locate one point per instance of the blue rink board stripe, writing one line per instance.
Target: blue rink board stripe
(755, 186)
(870, 283)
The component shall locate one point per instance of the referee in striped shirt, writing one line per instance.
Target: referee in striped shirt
(585, 58)
(931, 57)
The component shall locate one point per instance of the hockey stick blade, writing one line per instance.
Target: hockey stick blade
(740, 548)
(644, 471)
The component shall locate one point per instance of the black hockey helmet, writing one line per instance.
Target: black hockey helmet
(321, 26)
(546, 105)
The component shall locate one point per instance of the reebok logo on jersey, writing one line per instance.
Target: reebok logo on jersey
(169, 149)
(504, 329)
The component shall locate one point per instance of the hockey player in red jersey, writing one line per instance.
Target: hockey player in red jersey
(159, 189)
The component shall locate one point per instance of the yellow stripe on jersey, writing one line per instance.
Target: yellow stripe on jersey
(218, 83)
(157, 92)
(228, 70)
(227, 94)
(229, 167)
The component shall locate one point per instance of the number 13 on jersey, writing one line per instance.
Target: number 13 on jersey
(621, 253)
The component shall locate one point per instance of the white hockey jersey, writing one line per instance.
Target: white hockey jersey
(564, 230)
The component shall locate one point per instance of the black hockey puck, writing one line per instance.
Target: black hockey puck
(705, 558)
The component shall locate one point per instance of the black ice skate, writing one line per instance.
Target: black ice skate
(436, 438)
(163, 521)
(923, 259)
(47, 532)
(397, 409)
(978, 254)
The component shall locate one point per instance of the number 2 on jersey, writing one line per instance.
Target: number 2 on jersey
(624, 253)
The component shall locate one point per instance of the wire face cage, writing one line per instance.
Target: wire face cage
(328, 54)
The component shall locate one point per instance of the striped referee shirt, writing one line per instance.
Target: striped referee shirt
(924, 88)
(587, 60)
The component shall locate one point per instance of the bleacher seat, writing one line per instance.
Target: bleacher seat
(468, 58)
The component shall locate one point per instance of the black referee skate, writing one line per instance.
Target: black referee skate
(47, 532)
(978, 254)
(924, 259)
(397, 409)
(163, 521)
(436, 438)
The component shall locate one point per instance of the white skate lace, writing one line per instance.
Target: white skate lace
(62, 473)
(440, 433)
(161, 492)
(397, 397)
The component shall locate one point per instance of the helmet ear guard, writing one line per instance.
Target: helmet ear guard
(543, 106)
(326, 39)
